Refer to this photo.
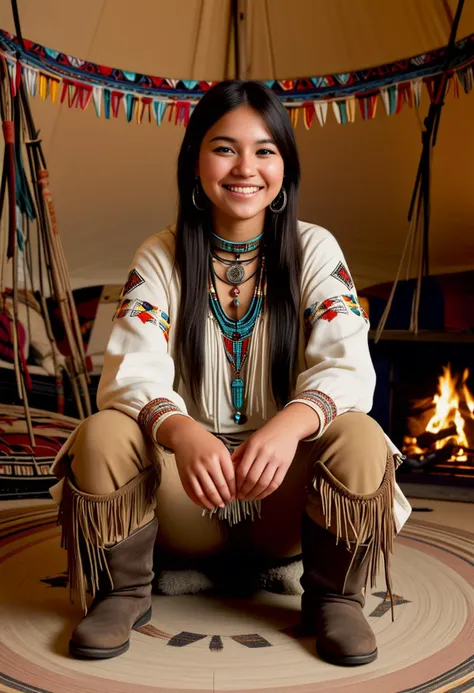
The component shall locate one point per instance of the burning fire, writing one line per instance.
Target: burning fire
(447, 424)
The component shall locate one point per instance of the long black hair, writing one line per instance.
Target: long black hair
(281, 240)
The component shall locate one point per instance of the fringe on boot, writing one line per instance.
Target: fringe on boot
(90, 523)
(361, 520)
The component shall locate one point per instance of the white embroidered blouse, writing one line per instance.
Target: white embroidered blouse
(335, 371)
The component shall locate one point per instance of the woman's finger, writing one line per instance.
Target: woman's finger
(262, 484)
(196, 494)
(252, 477)
(216, 473)
(242, 470)
(228, 470)
(208, 486)
(273, 484)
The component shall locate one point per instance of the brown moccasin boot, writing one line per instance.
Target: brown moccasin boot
(333, 597)
(105, 631)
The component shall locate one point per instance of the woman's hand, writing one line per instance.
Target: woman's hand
(204, 464)
(262, 461)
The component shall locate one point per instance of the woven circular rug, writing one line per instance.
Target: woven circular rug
(207, 643)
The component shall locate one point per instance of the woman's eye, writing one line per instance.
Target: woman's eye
(264, 152)
(223, 150)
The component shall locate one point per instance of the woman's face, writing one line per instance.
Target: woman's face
(240, 167)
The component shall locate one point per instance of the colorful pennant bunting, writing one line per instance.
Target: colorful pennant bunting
(64, 78)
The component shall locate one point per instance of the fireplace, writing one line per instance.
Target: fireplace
(425, 401)
(441, 429)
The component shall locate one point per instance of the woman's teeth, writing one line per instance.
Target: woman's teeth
(242, 190)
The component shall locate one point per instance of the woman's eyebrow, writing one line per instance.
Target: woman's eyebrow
(234, 141)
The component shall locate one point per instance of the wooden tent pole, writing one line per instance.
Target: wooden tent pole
(48, 237)
(419, 215)
(240, 38)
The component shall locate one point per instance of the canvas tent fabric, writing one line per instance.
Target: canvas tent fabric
(114, 182)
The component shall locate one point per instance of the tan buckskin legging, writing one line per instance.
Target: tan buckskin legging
(347, 474)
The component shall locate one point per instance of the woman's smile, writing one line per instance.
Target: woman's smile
(242, 191)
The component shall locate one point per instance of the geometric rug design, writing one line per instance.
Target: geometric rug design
(205, 643)
(25, 469)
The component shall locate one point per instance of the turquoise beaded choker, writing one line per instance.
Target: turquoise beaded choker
(234, 246)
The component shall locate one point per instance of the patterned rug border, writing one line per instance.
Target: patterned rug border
(456, 679)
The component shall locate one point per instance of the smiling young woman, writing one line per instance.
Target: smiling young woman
(237, 382)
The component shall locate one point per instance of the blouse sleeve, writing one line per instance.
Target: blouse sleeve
(138, 372)
(339, 374)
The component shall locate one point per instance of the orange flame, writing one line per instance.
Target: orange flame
(451, 390)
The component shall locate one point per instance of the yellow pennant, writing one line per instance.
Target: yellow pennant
(54, 89)
(294, 113)
(43, 86)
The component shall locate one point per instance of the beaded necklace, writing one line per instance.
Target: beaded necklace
(236, 334)
(235, 246)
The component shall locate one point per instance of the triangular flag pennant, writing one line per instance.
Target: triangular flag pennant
(368, 106)
(131, 76)
(351, 109)
(130, 102)
(85, 96)
(393, 98)
(43, 86)
(71, 93)
(455, 84)
(63, 90)
(115, 102)
(405, 94)
(321, 108)
(144, 105)
(107, 100)
(364, 105)
(173, 82)
(294, 114)
(466, 77)
(183, 113)
(308, 114)
(386, 100)
(416, 90)
(97, 98)
(54, 88)
(338, 111)
(159, 108)
(189, 83)
(31, 79)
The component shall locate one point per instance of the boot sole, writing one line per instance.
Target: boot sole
(347, 660)
(83, 652)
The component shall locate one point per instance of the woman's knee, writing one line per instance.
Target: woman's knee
(108, 451)
(354, 450)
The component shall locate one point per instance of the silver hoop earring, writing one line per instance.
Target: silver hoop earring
(195, 194)
(278, 210)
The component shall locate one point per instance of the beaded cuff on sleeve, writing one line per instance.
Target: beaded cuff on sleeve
(155, 413)
(320, 403)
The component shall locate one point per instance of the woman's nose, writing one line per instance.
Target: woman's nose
(244, 167)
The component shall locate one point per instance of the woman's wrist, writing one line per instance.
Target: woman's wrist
(172, 430)
(301, 419)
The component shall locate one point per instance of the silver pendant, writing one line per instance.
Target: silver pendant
(235, 274)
